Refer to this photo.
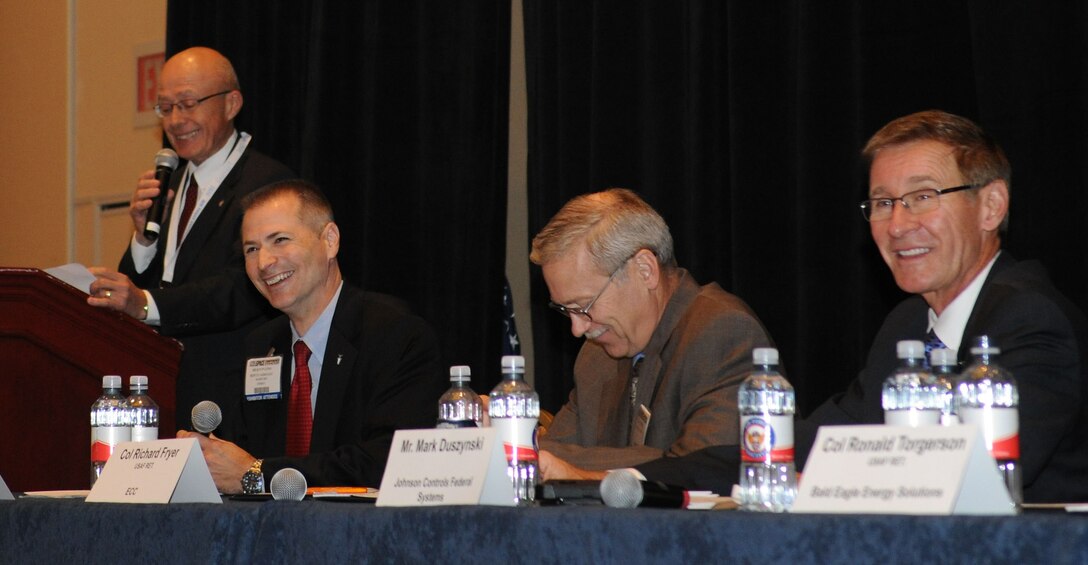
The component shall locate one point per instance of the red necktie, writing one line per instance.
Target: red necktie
(300, 420)
(187, 209)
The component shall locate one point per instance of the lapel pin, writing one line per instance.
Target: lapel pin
(338, 358)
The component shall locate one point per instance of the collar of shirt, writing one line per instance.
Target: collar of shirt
(209, 176)
(317, 338)
(950, 324)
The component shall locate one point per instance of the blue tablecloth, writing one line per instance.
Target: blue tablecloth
(60, 531)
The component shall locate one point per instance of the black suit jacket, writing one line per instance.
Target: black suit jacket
(210, 305)
(1044, 344)
(381, 373)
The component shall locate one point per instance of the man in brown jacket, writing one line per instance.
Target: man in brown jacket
(663, 358)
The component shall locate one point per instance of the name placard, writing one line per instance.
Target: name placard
(161, 471)
(5, 492)
(446, 467)
(901, 470)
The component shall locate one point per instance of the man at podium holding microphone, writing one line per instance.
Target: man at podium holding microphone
(186, 277)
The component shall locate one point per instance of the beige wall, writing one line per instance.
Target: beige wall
(67, 136)
(33, 132)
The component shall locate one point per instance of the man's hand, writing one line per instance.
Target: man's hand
(146, 189)
(226, 461)
(115, 291)
(552, 467)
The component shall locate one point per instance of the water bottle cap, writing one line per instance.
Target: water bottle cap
(981, 345)
(137, 380)
(460, 373)
(942, 357)
(765, 356)
(513, 363)
(910, 349)
(111, 381)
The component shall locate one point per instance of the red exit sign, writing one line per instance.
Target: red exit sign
(148, 68)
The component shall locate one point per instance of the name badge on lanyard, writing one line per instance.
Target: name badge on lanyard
(263, 378)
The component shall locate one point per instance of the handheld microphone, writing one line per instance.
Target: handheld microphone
(206, 416)
(288, 484)
(165, 163)
(621, 489)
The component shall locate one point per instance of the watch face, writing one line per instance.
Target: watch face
(252, 483)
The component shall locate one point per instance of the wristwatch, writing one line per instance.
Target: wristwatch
(253, 480)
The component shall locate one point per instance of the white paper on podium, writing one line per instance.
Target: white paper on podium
(74, 274)
(446, 467)
(161, 471)
(901, 470)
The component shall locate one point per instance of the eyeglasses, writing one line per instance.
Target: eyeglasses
(584, 312)
(163, 110)
(917, 202)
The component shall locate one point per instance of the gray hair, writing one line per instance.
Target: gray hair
(614, 225)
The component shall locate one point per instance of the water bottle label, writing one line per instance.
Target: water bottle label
(766, 438)
(453, 424)
(518, 436)
(104, 439)
(1000, 429)
(145, 433)
(912, 418)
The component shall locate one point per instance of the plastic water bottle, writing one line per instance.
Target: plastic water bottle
(943, 364)
(143, 412)
(460, 407)
(911, 396)
(987, 397)
(514, 409)
(768, 479)
(109, 424)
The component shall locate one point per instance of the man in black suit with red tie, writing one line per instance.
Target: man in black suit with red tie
(190, 280)
(354, 366)
(939, 192)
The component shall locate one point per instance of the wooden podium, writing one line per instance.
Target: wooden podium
(54, 350)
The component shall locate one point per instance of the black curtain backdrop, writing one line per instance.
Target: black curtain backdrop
(399, 111)
(741, 122)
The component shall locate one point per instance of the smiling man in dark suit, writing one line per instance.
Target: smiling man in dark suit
(939, 192)
(354, 366)
(189, 281)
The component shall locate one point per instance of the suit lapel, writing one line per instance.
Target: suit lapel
(336, 370)
(976, 323)
(614, 420)
(208, 220)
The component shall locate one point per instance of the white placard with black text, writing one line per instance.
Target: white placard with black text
(5, 492)
(901, 470)
(446, 467)
(161, 471)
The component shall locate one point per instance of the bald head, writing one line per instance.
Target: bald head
(206, 62)
(205, 77)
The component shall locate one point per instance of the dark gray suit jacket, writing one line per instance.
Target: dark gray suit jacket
(698, 355)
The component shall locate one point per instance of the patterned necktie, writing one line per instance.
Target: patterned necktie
(187, 209)
(300, 421)
(932, 342)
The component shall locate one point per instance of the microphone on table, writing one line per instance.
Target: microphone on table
(206, 416)
(165, 163)
(288, 484)
(621, 489)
